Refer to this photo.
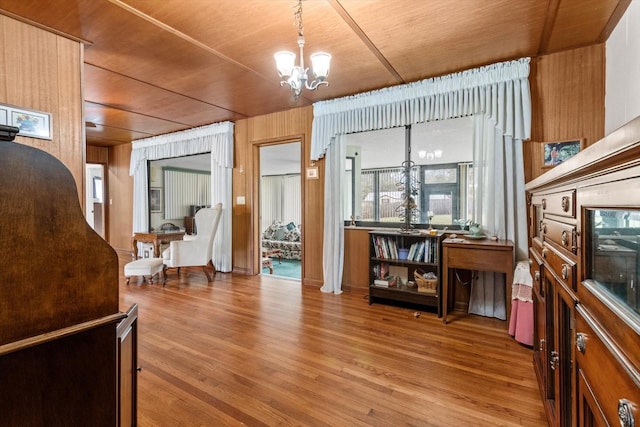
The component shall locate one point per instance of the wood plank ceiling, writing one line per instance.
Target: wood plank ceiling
(159, 66)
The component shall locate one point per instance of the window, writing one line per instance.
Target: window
(441, 153)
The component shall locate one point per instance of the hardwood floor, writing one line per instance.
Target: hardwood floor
(263, 351)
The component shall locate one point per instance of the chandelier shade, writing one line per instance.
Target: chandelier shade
(296, 75)
(285, 63)
(320, 62)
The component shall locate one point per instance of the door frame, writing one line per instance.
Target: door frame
(89, 196)
(255, 195)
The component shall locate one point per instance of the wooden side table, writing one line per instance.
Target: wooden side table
(268, 253)
(480, 255)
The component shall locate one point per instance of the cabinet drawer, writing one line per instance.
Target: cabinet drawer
(560, 233)
(535, 265)
(563, 204)
(611, 380)
(562, 266)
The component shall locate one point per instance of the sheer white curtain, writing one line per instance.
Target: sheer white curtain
(332, 265)
(500, 206)
(499, 91)
(216, 139)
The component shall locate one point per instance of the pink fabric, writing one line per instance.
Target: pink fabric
(521, 322)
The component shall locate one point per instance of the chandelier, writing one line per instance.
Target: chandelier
(296, 75)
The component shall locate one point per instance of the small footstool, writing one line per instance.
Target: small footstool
(145, 267)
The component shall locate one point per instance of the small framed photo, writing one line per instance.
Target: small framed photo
(31, 123)
(155, 199)
(555, 153)
(312, 172)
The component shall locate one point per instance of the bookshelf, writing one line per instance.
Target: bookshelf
(395, 258)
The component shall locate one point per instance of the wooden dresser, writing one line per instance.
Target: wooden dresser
(584, 234)
(67, 354)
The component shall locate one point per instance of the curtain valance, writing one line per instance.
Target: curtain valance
(216, 138)
(499, 90)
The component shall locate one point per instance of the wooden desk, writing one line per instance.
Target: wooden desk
(479, 255)
(157, 238)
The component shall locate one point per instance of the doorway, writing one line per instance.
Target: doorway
(280, 193)
(94, 198)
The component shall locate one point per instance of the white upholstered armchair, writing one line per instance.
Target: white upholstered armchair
(198, 250)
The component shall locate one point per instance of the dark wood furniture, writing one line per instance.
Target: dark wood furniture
(586, 312)
(58, 302)
(190, 224)
(478, 255)
(157, 238)
(383, 255)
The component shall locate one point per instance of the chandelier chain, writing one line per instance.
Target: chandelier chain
(298, 18)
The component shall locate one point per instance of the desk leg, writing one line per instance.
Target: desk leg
(134, 245)
(509, 278)
(156, 248)
(444, 298)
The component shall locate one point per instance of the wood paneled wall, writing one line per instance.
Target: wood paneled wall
(568, 92)
(43, 71)
(119, 198)
(97, 155)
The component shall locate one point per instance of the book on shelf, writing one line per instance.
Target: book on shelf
(389, 282)
(384, 283)
(384, 247)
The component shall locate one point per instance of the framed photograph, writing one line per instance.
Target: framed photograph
(555, 153)
(155, 199)
(34, 124)
(312, 172)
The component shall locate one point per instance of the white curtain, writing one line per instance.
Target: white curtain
(500, 207)
(332, 265)
(216, 139)
(499, 91)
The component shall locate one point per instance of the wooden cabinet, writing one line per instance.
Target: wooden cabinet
(355, 276)
(127, 375)
(584, 226)
(59, 304)
(189, 225)
(394, 269)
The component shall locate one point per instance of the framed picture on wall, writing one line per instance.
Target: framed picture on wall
(155, 199)
(34, 124)
(557, 152)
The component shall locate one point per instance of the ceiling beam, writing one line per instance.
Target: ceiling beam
(361, 34)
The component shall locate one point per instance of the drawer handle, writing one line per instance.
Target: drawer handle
(544, 203)
(565, 271)
(565, 203)
(541, 344)
(625, 413)
(565, 238)
(536, 276)
(544, 228)
(581, 342)
(555, 358)
(544, 253)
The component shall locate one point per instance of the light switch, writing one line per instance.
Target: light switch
(240, 200)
